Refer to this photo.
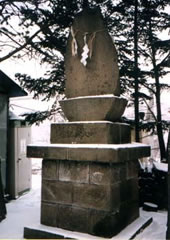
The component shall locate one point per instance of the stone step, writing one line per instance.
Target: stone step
(40, 231)
(111, 153)
(90, 132)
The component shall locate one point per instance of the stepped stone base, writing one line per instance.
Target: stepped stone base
(90, 132)
(89, 188)
(40, 231)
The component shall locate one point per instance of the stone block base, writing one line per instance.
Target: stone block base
(96, 198)
(44, 232)
(92, 221)
(89, 188)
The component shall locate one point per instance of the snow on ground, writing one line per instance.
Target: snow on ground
(157, 230)
(25, 211)
(20, 212)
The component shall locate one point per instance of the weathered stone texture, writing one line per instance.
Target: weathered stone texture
(104, 174)
(103, 223)
(50, 169)
(129, 190)
(129, 211)
(49, 214)
(101, 75)
(132, 168)
(112, 153)
(95, 197)
(55, 191)
(95, 108)
(89, 185)
(91, 132)
(72, 218)
(74, 172)
(92, 221)
(138, 152)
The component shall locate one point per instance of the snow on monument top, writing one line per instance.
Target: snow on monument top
(91, 60)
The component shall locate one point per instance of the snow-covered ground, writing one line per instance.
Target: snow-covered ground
(21, 212)
(25, 211)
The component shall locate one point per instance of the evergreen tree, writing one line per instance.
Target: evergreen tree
(157, 53)
(42, 31)
(144, 20)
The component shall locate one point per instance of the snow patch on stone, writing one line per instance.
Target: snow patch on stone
(92, 146)
(96, 96)
(90, 122)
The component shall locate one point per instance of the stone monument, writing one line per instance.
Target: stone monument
(89, 172)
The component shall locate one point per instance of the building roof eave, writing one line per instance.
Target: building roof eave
(9, 87)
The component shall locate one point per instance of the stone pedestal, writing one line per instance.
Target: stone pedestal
(90, 188)
(90, 173)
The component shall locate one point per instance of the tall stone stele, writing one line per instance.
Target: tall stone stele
(89, 173)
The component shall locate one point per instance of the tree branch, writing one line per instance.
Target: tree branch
(164, 61)
(149, 108)
(6, 34)
(21, 47)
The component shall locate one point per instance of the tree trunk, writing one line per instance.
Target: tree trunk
(136, 72)
(158, 101)
(168, 160)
